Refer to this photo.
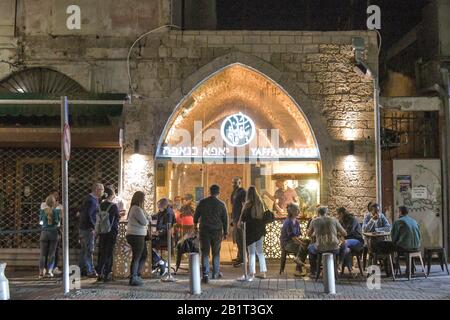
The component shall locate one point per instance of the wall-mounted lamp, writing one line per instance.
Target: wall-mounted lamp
(351, 147)
(361, 67)
(136, 146)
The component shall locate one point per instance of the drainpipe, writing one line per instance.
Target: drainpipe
(378, 175)
(444, 95)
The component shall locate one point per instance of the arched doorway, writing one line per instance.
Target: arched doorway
(239, 122)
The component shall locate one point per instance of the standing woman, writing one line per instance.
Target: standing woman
(136, 232)
(252, 215)
(107, 237)
(49, 219)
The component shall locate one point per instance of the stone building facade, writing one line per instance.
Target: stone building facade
(314, 68)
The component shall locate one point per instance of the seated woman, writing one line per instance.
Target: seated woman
(354, 238)
(290, 238)
(187, 211)
(165, 217)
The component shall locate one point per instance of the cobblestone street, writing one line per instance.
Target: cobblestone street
(436, 286)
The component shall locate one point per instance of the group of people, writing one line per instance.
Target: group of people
(343, 234)
(102, 209)
(212, 219)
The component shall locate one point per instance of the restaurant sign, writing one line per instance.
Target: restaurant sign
(224, 152)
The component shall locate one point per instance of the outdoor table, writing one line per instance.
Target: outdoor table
(373, 237)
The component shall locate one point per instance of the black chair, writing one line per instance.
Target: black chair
(442, 255)
(284, 255)
(365, 253)
(355, 252)
(319, 262)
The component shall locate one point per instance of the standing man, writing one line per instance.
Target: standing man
(211, 213)
(88, 216)
(118, 201)
(237, 201)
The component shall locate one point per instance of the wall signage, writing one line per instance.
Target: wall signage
(238, 130)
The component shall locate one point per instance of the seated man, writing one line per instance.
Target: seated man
(405, 232)
(375, 220)
(290, 238)
(354, 238)
(326, 230)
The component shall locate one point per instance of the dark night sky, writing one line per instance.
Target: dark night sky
(397, 16)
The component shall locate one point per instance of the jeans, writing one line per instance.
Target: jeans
(139, 254)
(237, 233)
(87, 242)
(49, 242)
(106, 248)
(210, 241)
(256, 248)
(300, 249)
(347, 247)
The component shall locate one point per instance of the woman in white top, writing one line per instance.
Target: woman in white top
(136, 232)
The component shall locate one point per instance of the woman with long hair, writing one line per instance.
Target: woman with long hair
(136, 232)
(255, 230)
(49, 219)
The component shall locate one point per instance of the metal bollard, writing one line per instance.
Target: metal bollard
(169, 277)
(4, 283)
(328, 273)
(194, 273)
(245, 277)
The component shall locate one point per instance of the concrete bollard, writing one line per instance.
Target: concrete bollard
(4, 283)
(194, 273)
(328, 273)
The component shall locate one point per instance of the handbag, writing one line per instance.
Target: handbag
(268, 216)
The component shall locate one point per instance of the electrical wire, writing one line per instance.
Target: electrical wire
(134, 43)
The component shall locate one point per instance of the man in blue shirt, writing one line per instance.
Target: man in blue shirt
(88, 215)
(375, 220)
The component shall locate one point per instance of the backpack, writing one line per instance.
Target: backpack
(103, 225)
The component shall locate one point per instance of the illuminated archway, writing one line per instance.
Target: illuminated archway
(233, 90)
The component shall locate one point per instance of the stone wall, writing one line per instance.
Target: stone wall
(314, 68)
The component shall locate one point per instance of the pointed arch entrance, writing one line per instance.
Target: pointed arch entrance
(239, 122)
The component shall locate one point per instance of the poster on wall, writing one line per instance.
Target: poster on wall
(199, 193)
(419, 192)
(403, 183)
(418, 188)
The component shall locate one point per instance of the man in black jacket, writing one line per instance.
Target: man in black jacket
(211, 213)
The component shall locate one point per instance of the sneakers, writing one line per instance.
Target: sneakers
(50, 274)
(205, 279)
(92, 275)
(56, 271)
(219, 276)
(237, 264)
(261, 275)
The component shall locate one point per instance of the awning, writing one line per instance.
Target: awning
(102, 108)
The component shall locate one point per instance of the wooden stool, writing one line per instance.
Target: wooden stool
(442, 255)
(356, 252)
(409, 255)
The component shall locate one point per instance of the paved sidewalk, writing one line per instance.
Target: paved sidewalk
(275, 287)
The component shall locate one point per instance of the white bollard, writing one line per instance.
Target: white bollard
(194, 273)
(4, 283)
(328, 273)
